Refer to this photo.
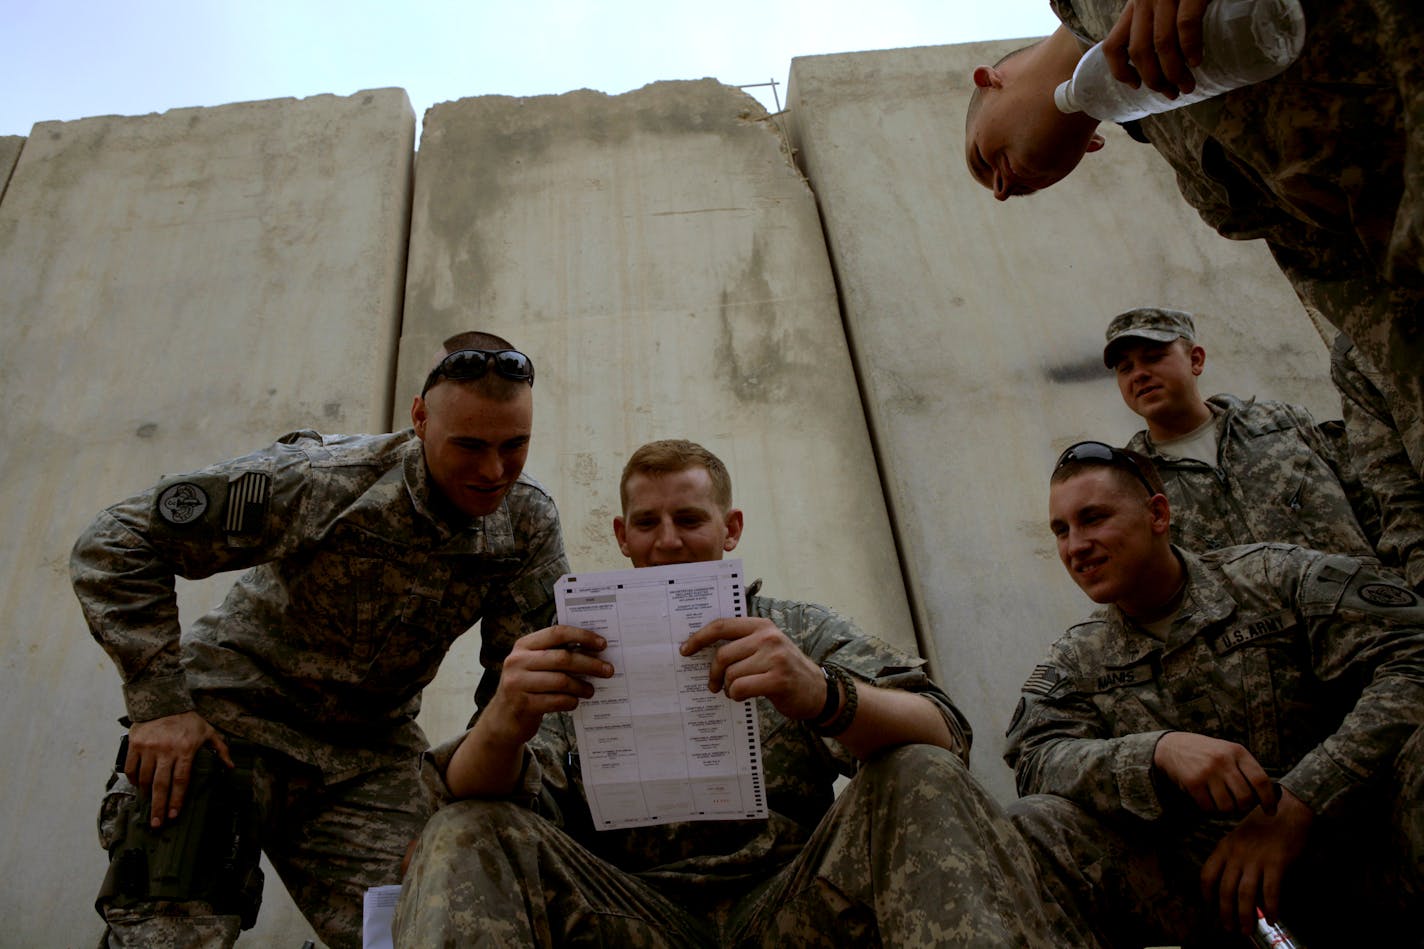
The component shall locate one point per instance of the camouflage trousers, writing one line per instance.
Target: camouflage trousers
(1359, 882)
(328, 843)
(912, 853)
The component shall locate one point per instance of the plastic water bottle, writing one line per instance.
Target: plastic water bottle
(1243, 41)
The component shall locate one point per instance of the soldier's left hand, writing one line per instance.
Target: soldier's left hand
(755, 658)
(1246, 868)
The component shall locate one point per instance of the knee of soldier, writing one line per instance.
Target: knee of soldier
(1046, 820)
(910, 764)
(463, 825)
(918, 778)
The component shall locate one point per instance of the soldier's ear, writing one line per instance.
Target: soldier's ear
(419, 415)
(988, 77)
(733, 523)
(1160, 510)
(1198, 358)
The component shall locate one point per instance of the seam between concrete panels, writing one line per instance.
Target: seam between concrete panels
(784, 123)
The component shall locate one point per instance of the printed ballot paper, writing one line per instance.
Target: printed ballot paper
(656, 746)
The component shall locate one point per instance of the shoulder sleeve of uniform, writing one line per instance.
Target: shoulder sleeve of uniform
(226, 517)
(828, 637)
(1068, 14)
(1383, 596)
(1324, 582)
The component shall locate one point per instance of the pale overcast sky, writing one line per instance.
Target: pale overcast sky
(67, 60)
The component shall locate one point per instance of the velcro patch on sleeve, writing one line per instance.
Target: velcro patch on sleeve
(247, 498)
(183, 503)
(1042, 680)
(1387, 594)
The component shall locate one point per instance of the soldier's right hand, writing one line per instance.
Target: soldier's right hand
(160, 758)
(546, 671)
(1222, 777)
(1157, 42)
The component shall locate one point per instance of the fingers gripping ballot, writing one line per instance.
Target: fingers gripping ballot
(1157, 42)
(160, 759)
(546, 671)
(1221, 777)
(753, 658)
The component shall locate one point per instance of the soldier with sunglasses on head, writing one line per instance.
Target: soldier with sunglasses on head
(1229, 731)
(284, 719)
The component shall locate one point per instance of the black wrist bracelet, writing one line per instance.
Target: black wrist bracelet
(846, 715)
(833, 695)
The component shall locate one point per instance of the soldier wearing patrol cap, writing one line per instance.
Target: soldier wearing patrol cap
(1236, 471)
(1229, 731)
(284, 719)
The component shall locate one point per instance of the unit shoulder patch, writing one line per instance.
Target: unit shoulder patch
(1387, 594)
(182, 504)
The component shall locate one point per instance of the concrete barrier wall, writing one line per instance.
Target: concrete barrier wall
(174, 290)
(180, 288)
(977, 330)
(660, 258)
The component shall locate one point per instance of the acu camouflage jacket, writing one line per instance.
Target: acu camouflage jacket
(1311, 661)
(358, 577)
(1276, 479)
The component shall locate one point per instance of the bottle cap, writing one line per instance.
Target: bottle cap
(1063, 98)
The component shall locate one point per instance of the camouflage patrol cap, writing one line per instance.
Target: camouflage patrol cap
(1155, 323)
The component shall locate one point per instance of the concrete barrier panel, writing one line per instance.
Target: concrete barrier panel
(10, 146)
(660, 258)
(174, 289)
(977, 328)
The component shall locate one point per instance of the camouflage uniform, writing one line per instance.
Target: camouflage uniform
(1326, 163)
(1277, 478)
(1312, 662)
(1381, 459)
(361, 575)
(912, 853)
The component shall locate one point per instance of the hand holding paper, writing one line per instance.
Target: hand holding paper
(753, 658)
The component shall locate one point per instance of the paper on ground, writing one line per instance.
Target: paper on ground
(379, 916)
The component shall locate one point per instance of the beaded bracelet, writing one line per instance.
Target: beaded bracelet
(846, 715)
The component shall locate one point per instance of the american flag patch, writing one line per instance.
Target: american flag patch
(247, 503)
(1042, 680)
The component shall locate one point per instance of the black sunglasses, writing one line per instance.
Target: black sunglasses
(1098, 453)
(474, 363)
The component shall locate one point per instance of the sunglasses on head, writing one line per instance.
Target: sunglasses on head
(1098, 453)
(474, 363)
